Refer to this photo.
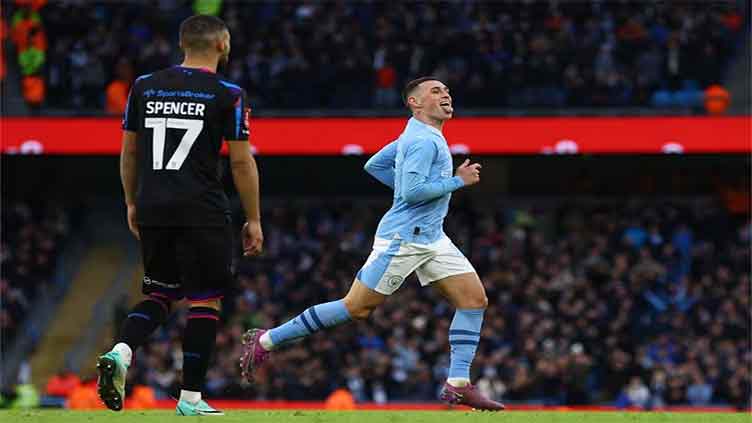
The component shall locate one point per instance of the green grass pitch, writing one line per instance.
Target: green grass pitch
(239, 416)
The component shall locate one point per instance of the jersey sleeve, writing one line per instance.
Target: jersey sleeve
(381, 164)
(130, 117)
(416, 168)
(237, 118)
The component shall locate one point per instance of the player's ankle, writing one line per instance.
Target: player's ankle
(192, 397)
(458, 382)
(266, 341)
(124, 351)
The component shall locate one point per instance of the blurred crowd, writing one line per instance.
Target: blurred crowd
(359, 54)
(30, 244)
(643, 304)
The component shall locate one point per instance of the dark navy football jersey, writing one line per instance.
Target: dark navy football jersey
(181, 116)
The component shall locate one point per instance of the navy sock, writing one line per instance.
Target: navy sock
(143, 319)
(198, 345)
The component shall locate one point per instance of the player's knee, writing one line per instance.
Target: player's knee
(358, 311)
(215, 304)
(476, 300)
(483, 301)
(361, 313)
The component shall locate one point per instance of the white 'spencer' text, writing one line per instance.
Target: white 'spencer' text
(175, 108)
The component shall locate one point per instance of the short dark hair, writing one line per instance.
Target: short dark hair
(410, 86)
(198, 32)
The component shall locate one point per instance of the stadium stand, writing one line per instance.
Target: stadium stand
(31, 240)
(636, 304)
(298, 55)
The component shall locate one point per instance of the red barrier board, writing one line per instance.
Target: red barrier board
(477, 135)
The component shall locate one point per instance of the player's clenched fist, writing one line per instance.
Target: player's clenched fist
(470, 173)
(253, 238)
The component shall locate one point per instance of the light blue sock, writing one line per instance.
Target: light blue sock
(464, 334)
(310, 321)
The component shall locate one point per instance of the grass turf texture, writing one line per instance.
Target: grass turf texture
(238, 416)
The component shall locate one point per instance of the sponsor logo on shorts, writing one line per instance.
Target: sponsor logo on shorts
(150, 281)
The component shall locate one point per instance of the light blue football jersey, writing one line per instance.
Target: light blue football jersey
(418, 166)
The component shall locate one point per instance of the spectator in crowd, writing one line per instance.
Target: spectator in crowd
(717, 99)
(27, 33)
(636, 394)
(117, 90)
(3, 36)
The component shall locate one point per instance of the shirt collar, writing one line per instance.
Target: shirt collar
(418, 124)
(201, 69)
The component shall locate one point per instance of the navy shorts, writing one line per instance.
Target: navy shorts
(187, 262)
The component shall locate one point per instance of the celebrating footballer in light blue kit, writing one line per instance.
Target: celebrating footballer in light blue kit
(410, 238)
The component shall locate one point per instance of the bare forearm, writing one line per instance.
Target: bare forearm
(129, 176)
(245, 176)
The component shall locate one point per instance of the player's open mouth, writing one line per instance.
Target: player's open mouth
(446, 106)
